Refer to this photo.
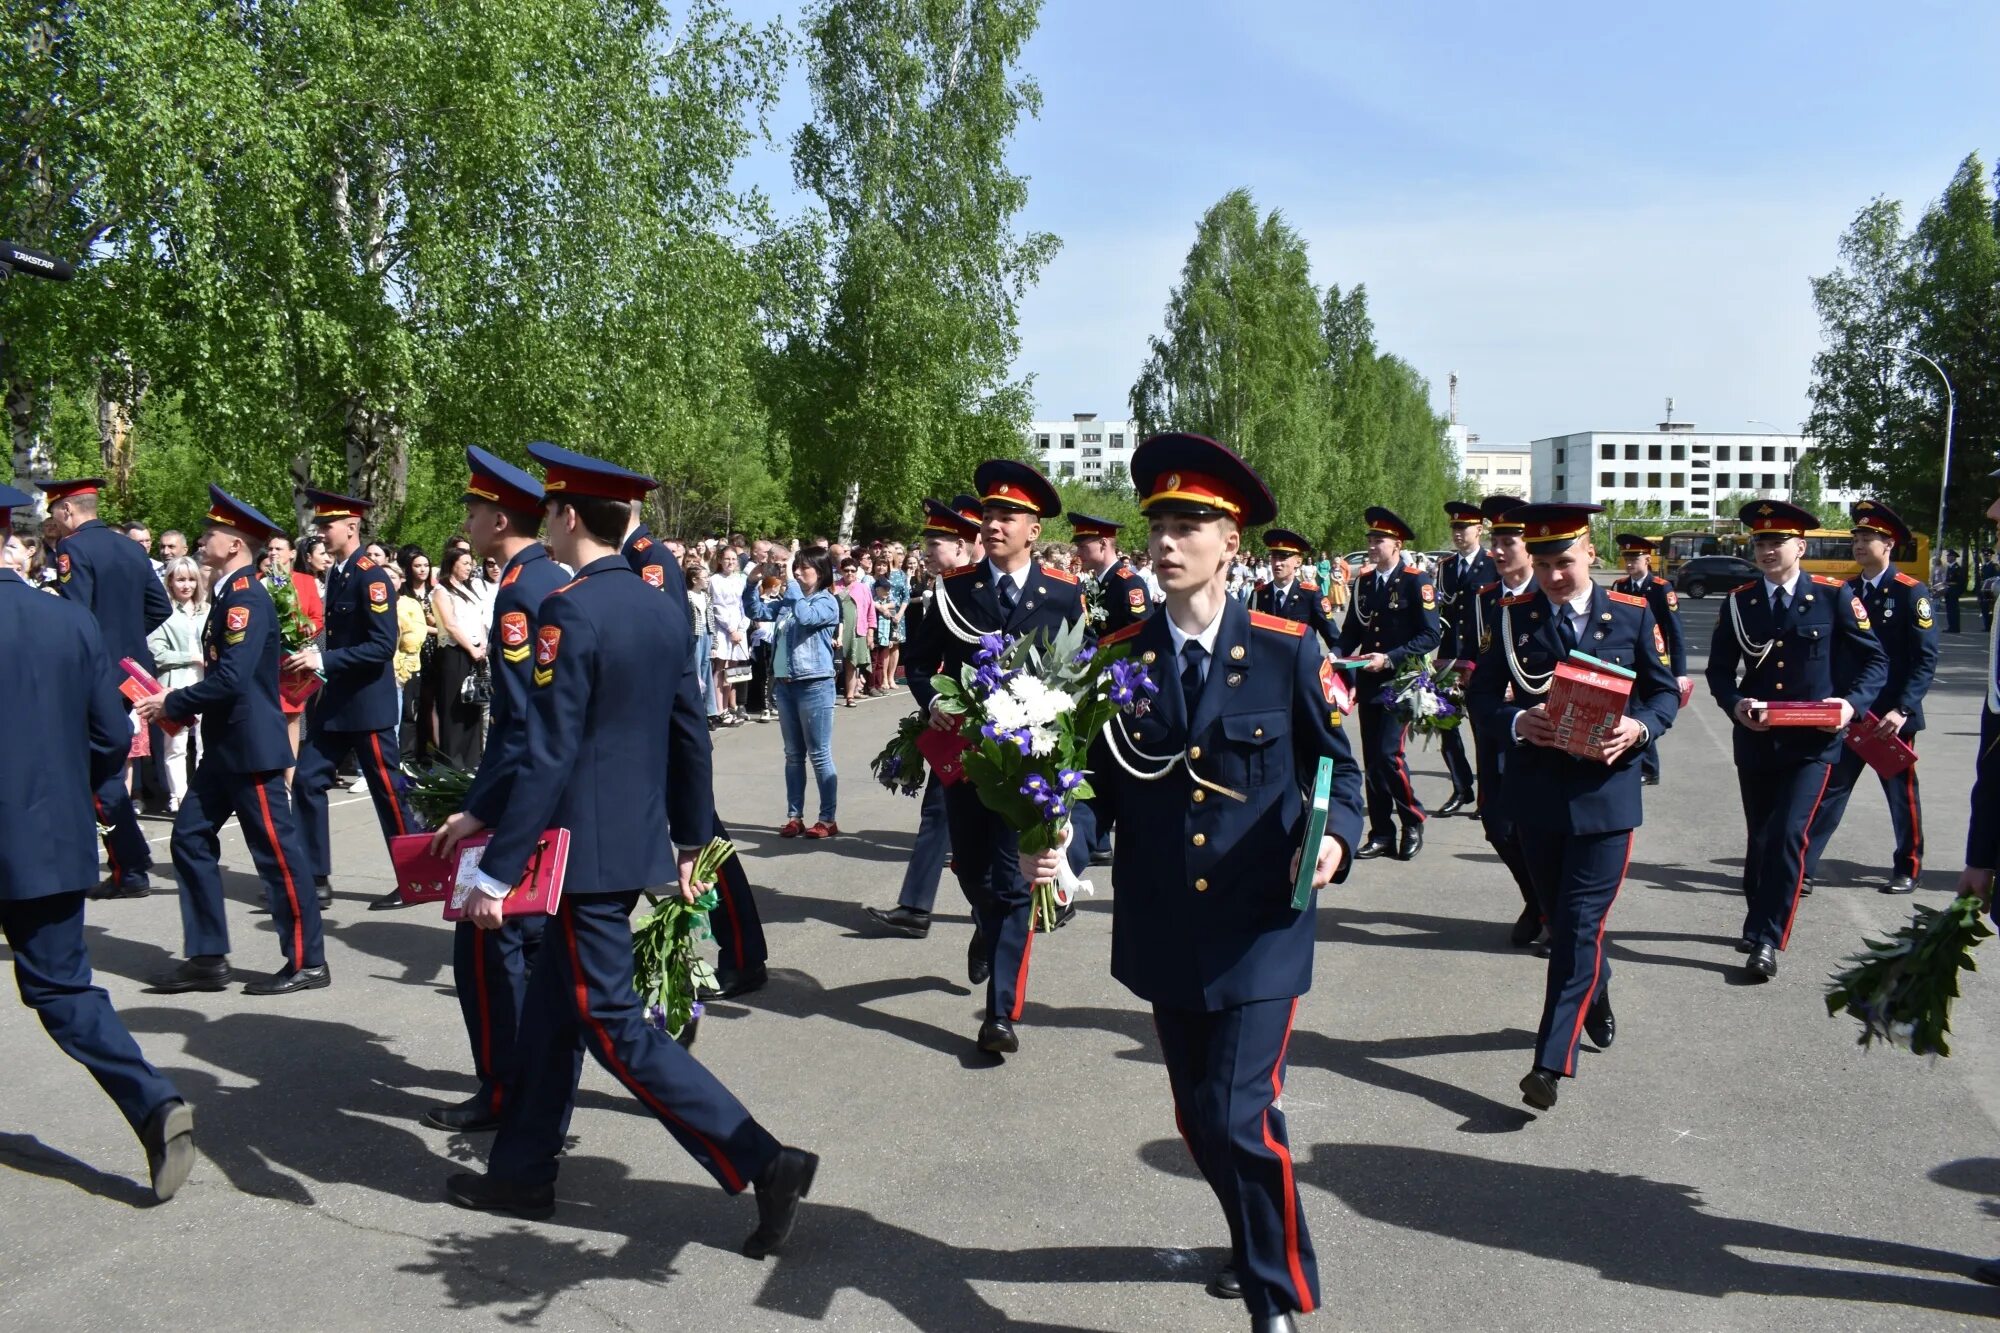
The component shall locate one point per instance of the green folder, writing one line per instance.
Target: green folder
(1302, 891)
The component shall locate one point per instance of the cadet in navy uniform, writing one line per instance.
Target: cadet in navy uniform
(1575, 815)
(1459, 580)
(69, 736)
(1641, 581)
(1516, 579)
(503, 519)
(244, 750)
(622, 764)
(356, 712)
(1007, 593)
(742, 955)
(108, 574)
(1291, 593)
(1207, 782)
(1392, 617)
(1786, 638)
(948, 542)
(1121, 592)
(1982, 838)
(1900, 609)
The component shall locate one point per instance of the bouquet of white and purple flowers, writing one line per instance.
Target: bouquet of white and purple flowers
(1429, 699)
(1029, 711)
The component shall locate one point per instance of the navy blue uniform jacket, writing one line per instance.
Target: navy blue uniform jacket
(108, 573)
(242, 723)
(610, 745)
(1202, 916)
(529, 577)
(1302, 602)
(1666, 604)
(1824, 650)
(67, 735)
(1548, 789)
(1401, 621)
(964, 604)
(1458, 600)
(1900, 610)
(360, 691)
(1126, 599)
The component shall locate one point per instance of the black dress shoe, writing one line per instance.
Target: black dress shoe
(1545, 943)
(1649, 779)
(169, 1140)
(1226, 1285)
(787, 1180)
(291, 979)
(978, 966)
(1375, 847)
(1901, 884)
(1763, 964)
(1988, 1272)
(905, 921)
(388, 902)
(1457, 803)
(1538, 1088)
(736, 981)
(1064, 915)
(1101, 857)
(1280, 1322)
(1805, 887)
(996, 1037)
(471, 1116)
(1746, 945)
(203, 972)
(1527, 927)
(136, 885)
(324, 892)
(1599, 1023)
(484, 1194)
(1412, 843)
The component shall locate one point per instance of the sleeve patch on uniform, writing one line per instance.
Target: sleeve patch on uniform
(1333, 688)
(1673, 600)
(514, 629)
(1659, 640)
(378, 596)
(546, 644)
(1430, 597)
(239, 618)
(655, 575)
(1860, 612)
(1923, 613)
(62, 567)
(1137, 598)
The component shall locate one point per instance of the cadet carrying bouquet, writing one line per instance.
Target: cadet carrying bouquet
(1034, 709)
(296, 633)
(900, 765)
(667, 971)
(1430, 700)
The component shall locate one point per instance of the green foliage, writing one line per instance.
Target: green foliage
(1901, 988)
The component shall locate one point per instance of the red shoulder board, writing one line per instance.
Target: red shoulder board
(242, 582)
(364, 564)
(1827, 581)
(642, 543)
(1278, 623)
(1120, 635)
(1491, 587)
(1061, 575)
(962, 570)
(1517, 599)
(1906, 580)
(512, 574)
(1744, 587)
(565, 588)
(1626, 598)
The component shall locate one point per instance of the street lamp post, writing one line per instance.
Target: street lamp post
(1950, 409)
(1792, 472)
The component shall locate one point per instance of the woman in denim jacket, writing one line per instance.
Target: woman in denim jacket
(802, 669)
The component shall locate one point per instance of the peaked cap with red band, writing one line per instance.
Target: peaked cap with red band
(1787, 520)
(1499, 511)
(569, 473)
(1283, 541)
(225, 510)
(328, 506)
(1011, 485)
(1385, 522)
(1087, 525)
(1549, 529)
(1192, 474)
(63, 490)
(1878, 518)
(1464, 514)
(499, 482)
(967, 508)
(1632, 541)
(941, 520)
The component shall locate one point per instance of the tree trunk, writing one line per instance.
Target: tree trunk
(32, 462)
(378, 468)
(301, 478)
(119, 391)
(849, 505)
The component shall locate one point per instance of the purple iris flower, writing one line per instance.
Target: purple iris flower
(1129, 680)
(656, 1017)
(991, 646)
(1069, 779)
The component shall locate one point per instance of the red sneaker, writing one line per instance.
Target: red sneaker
(822, 830)
(792, 829)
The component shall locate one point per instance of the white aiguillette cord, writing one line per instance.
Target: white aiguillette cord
(1521, 678)
(948, 613)
(1759, 651)
(1117, 741)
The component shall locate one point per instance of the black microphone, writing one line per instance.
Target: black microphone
(20, 259)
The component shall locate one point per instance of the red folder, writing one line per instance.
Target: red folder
(1802, 713)
(423, 878)
(295, 687)
(944, 750)
(1887, 755)
(1687, 691)
(138, 684)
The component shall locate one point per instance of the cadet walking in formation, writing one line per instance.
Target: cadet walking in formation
(1120, 590)
(1641, 581)
(1393, 618)
(1291, 592)
(1467, 570)
(1516, 578)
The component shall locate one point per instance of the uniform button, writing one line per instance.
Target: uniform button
(1258, 732)
(1781, 664)
(1194, 752)
(1200, 839)
(1201, 886)
(1779, 686)
(1199, 796)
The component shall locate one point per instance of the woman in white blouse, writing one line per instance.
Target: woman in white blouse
(176, 648)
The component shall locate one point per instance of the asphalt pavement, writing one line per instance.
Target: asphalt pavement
(1735, 1162)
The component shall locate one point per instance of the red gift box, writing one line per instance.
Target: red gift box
(945, 752)
(1887, 755)
(1586, 700)
(1802, 713)
(295, 687)
(138, 684)
(423, 878)
(1687, 690)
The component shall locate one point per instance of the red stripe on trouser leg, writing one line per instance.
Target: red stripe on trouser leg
(1916, 823)
(1805, 845)
(1596, 965)
(110, 852)
(298, 949)
(1021, 976)
(388, 783)
(485, 1015)
(1292, 1260)
(732, 1180)
(1402, 771)
(1180, 1121)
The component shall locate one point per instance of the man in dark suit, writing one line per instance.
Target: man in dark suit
(70, 736)
(1291, 593)
(109, 575)
(1899, 607)
(1007, 594)
(1459, 580)
(1119, 589)
(1516, 578)
(355, 713)
(244, 750)
(1393, 617)
(1206, 779)
(503, 519)
(1575, 813)
(608, 752)
(1786, 638)
(1982, 839)
(1641, 581)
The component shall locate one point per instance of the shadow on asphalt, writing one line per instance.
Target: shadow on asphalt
(1630, 1229)
(30, 1156)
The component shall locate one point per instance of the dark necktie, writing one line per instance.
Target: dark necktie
(1778, 606)
(1006, 592)
(1193, 656)
(1566, 630)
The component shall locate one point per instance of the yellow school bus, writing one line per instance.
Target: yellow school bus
(1831, 551)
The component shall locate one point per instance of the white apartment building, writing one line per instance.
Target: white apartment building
(1085, 447)
(1688, 471)
(1499, 469)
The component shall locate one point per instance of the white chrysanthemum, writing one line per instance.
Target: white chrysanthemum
(1041, 742)
(1040, 706)
(1005, 710)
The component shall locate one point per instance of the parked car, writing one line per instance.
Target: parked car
(1712, 573)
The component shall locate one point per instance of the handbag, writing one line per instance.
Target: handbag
(477, 688)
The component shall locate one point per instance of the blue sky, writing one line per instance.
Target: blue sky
(1581, 209)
